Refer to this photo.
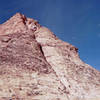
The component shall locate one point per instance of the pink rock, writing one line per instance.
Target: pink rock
(37, 65)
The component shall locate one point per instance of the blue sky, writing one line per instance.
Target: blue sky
(74, 21)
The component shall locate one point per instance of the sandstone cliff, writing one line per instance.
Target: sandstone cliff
(36, 65)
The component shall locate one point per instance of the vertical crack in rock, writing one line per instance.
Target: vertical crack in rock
(65, 88)
(57, 75)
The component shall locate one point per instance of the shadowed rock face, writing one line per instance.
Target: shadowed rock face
(36, 65)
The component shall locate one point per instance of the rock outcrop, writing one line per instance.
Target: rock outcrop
(36, 65)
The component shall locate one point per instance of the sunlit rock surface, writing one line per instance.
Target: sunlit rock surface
(36, 65)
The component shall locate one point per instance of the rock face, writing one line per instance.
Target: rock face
(36, 65)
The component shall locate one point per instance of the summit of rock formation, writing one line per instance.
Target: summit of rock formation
(37, 65)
